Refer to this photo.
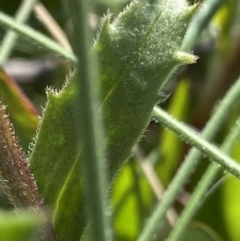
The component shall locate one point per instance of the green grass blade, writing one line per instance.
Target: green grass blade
(89, 126)
(199, 22)
(36, 36)
(11, 37)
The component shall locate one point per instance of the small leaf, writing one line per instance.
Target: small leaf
(136, 53)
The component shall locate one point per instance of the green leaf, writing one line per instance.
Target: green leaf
(230, 208)
(132, 198)
(20, 226)
(54, 163)
(136, 53)
(22, 112)
(230, 202)
(171, 147)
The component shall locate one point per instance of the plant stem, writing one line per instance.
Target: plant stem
(200, 21)
(14, 169)
(209, 132)
(194, 203)
(90, 125)
(36, 37)
(20, 183)
(11, 37)
(196, 140)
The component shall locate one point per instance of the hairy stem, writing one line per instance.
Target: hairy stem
(14, 167)
(16, 176)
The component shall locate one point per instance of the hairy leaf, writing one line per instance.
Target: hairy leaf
(136, 53)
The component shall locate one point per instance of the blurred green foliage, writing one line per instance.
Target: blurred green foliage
(21, 226)
(195, 92)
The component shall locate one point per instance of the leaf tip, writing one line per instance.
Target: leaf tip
(190, 10)
(185, 58)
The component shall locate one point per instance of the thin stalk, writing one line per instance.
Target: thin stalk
(200, 20)
(196, 140)
(11, 37)
(14, 168)
(209, 132)
(36, 37)
(15, 174)
(194, 203)
(90, 126)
